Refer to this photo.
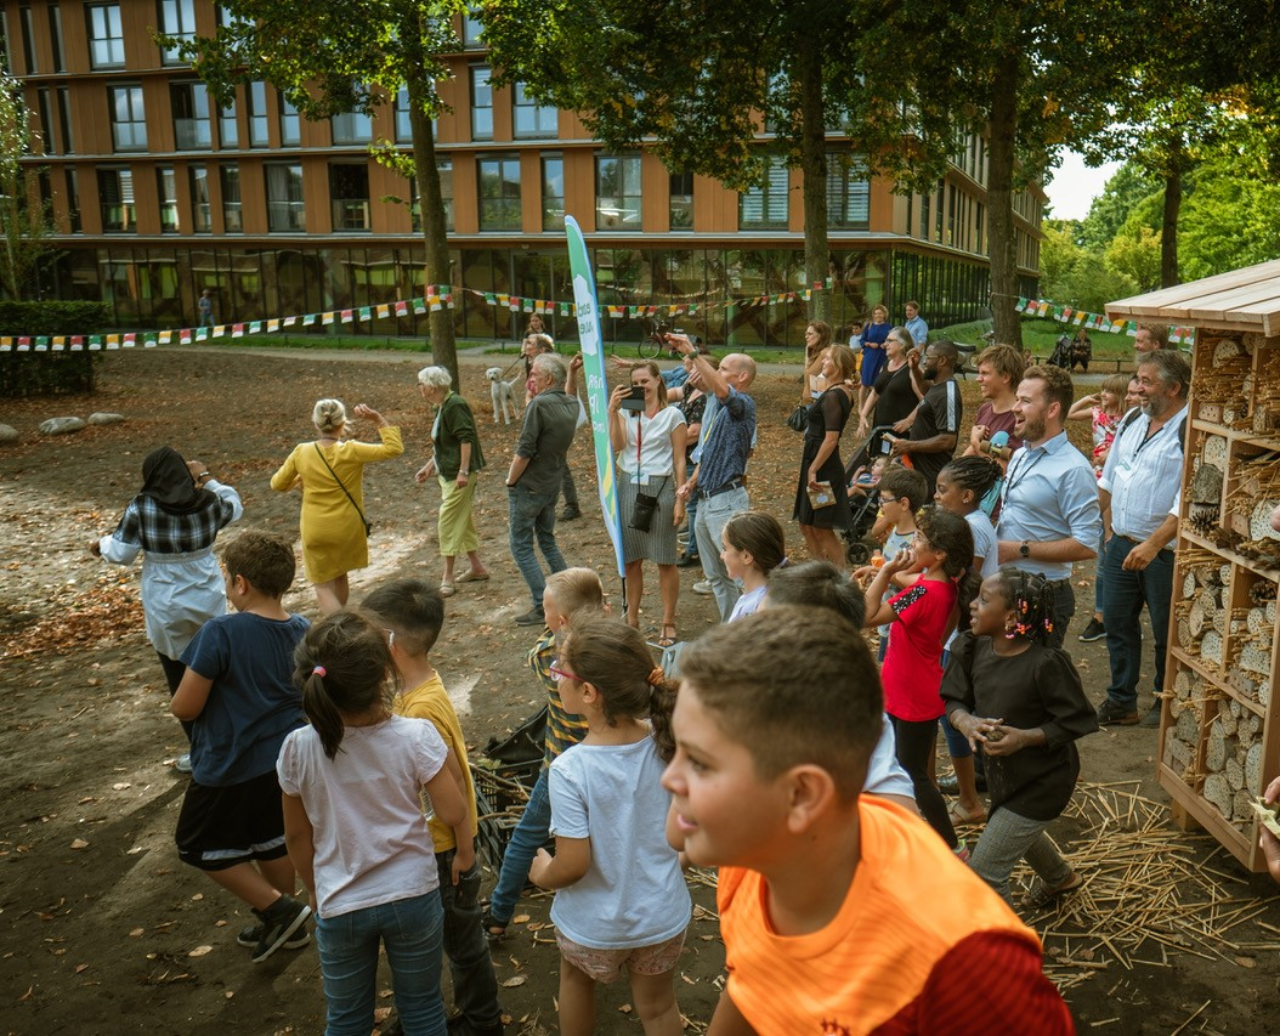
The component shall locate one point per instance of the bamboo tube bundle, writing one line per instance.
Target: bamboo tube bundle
(1253, 768)
(1215, 452)
(1211, 647)
(1255, 659)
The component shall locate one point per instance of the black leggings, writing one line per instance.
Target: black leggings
(173, 673)
(915, 743)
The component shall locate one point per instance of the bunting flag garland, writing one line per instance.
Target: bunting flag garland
(1095, 321)
(434, 299)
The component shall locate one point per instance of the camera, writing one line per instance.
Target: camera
(634, 400)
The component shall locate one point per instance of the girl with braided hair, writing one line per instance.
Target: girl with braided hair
(1007, 691)
(621, 901)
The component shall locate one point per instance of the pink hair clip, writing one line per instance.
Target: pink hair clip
(319, 671)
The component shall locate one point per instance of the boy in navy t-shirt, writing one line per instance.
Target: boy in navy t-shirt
(239, 697)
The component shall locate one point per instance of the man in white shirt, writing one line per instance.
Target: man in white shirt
(1139, 491)
(916, 325)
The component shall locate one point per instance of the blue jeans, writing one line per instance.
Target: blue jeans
(1127, 592)
(475, 987)
(691, 516)
(528, 837)
(412, 932)
(714, 513)
(1099, 582)
(957, 743)
(531, 514)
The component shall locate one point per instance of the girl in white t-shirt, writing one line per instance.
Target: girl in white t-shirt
(650, 444)
(961, 487)
(621, 900)
(754, 545)
(356, 831)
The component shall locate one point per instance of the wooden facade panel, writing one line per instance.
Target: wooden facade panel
(253, 196)
(580, 188)
(530, 192)
(503, 116)
(146, 198)
(655, 194)
(90, 114)
(715, 207)
(389, 217)
(466, 208)
(138, 21)
(883, 206)
(75, 37)
(795, 201)
(452, 126)
(315, 188)
(158, 104)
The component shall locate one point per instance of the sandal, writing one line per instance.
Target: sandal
(472, 576)
(667, 639)
(1041, 896)
(447, 590)
(494, 931)
(959, 816)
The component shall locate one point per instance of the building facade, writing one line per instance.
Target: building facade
(158, 195)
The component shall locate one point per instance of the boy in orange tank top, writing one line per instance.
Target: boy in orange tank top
(839, 913)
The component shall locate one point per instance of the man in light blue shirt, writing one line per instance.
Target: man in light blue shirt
(916, 325)
(1049, 514)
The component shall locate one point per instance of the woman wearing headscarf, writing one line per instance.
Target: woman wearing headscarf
(174, 521)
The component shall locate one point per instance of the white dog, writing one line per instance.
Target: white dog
(503, 395)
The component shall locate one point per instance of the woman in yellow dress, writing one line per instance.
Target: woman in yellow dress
(330, 473)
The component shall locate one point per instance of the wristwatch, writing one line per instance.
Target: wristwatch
(1024, 548)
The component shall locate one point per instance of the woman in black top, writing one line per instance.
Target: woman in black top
(821, 459)
(892, 402)
(1022, 701)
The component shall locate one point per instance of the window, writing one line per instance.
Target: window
(201, 221)
(552, 191)
(472, 30)
(178, 19)
(190, 103)
(115, 194)
(167, 191)
(352, 128)
(55, 38)
(349, 196)
(64, 120)
(924, 217)
(977, 226)
(765, 208)
(499, 193)
(290, 124)
(73, 199)
(940, 204)
(28, 39)
(228, 128)
(481, 104)
(128, 121)
(951, 215)
(256, 95)
(45, 100)
(404, 128)
(682, 201)
(286, 210)
(617, 192)
(227, 20)
(532, 119)
(232, 217)
(106, 35)
(848, 193)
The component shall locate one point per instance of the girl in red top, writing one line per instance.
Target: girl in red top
(924, 614)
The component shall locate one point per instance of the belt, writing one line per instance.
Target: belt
(732, 484)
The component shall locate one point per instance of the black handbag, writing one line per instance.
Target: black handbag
(799, 419)
(367, 527)
(642, 513)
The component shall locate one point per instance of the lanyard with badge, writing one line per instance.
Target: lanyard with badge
(1023, 471)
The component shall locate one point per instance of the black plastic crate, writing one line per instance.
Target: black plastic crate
(502, 790)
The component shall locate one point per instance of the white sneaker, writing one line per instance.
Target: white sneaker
(702, 586)
(183, 763)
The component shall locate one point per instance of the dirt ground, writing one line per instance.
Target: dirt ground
(104, 931)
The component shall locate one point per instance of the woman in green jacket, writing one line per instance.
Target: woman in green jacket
(457, 461)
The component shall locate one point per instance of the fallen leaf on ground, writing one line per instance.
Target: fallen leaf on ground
(79, 843)
(520, 919)
(519, 980)
(136, 933)
(200, 951)
(81, 967)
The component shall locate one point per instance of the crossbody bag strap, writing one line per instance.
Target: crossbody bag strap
(344, 489)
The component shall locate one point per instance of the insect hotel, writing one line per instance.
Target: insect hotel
(1220, 718)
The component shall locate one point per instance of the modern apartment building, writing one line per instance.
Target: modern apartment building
(158, 194)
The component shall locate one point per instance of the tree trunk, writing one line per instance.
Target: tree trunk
(444, 349)
(813, 163)
(1169, 229)
(1001, 236)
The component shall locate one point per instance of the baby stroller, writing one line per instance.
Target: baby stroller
(1062, 353)
(859, 544)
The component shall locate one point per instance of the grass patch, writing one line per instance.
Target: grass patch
(1039, 335)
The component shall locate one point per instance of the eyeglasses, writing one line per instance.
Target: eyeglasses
(562, 674)
(391, 638)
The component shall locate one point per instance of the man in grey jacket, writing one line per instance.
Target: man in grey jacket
(533, 482)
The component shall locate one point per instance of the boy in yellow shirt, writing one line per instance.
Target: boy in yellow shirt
(412, 611)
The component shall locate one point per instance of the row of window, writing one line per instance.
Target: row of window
(951, 217)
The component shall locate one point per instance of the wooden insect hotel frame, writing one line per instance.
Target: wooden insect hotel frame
(1220, 717)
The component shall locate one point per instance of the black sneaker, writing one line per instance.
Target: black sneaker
(280, 920)
(1152, 718)
(1094, 631)
(533, 617)
(252, 935)
(688, 561)
(1111, 714)
(950, 785)
(570, 513)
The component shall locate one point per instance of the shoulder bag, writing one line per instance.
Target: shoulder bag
(365, 521)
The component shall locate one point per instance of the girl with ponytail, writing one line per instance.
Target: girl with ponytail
(621, 900)
(354, 784)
